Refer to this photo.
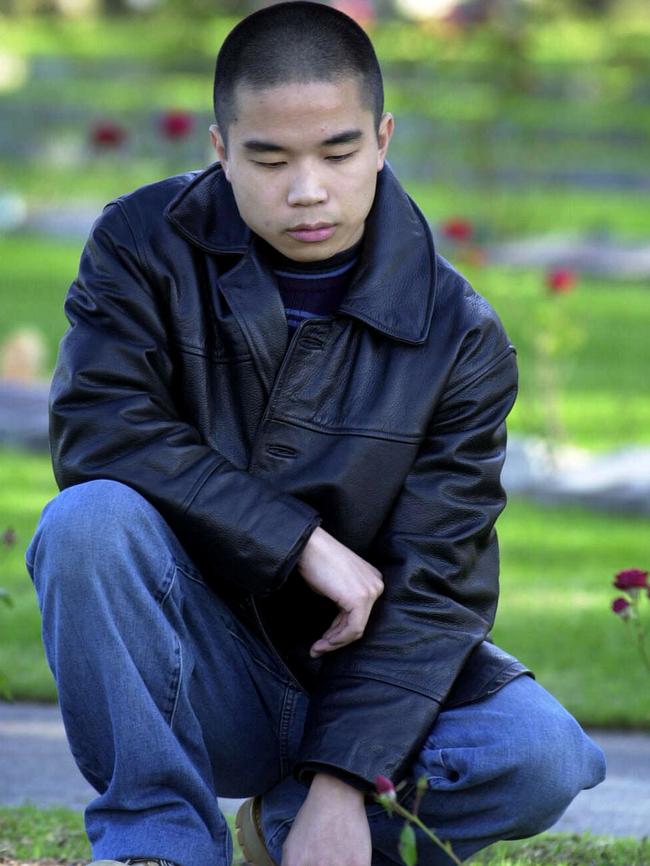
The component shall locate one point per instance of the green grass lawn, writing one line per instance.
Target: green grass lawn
(27, 833)
(600, 331)
(557, 565)
(556, 571)
(26, 484)
(34, 277)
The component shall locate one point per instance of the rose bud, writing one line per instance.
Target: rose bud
(621, 607)
(631, 578)
(385, 787)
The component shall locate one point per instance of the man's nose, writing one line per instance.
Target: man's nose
(306, 188)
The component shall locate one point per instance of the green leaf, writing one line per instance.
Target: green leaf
(407, 845)
(6, 598)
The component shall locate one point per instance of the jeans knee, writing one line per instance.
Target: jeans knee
(86, 526)
(90, 509)
(552, 772)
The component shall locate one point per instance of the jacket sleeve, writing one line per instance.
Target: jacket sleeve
(113, 416)
(378, 698)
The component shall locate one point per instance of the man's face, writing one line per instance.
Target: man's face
(302, 161)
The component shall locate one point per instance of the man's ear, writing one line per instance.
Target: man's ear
(219, 147)
(384, 135)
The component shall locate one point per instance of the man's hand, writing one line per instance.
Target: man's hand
(331, 827)
(335, 571)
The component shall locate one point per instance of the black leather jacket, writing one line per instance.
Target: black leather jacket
(384, 423)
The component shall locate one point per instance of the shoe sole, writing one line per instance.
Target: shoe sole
(248, 825)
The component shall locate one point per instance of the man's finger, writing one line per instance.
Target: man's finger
(343, 625)
(330, 642)
(351, 628)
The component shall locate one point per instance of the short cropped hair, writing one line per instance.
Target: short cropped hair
(290, 42)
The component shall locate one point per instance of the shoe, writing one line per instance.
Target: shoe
(249, 833)
(129, 862)
(151, 862)
(146, 862)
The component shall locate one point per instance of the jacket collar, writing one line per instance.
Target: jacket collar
(394, 287)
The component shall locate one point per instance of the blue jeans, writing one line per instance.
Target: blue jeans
(169, 701)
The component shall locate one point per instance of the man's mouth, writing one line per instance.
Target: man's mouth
(310, 233)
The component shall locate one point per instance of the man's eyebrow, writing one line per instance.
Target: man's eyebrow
(256, 145)
(346, 137)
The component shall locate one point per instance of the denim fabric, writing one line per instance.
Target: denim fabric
(169, 701)
(505, 767)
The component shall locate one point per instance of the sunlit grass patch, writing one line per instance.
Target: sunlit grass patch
(28, 833)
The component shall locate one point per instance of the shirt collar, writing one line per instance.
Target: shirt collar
(393, 289)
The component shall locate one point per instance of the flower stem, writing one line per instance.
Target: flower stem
(446, 847)
(640, 637)
(637, 620)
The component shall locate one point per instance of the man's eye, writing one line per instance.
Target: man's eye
(341, 157)
(269, 164)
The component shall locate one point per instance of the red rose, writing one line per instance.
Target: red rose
(385, 787)
(457, 229)
(621, 606)
(107, 134)
(631, 578)
(176, 124)
(561, 280)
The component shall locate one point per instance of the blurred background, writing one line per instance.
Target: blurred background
(523, 132)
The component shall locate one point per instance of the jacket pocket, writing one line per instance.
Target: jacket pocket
(219, 355)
